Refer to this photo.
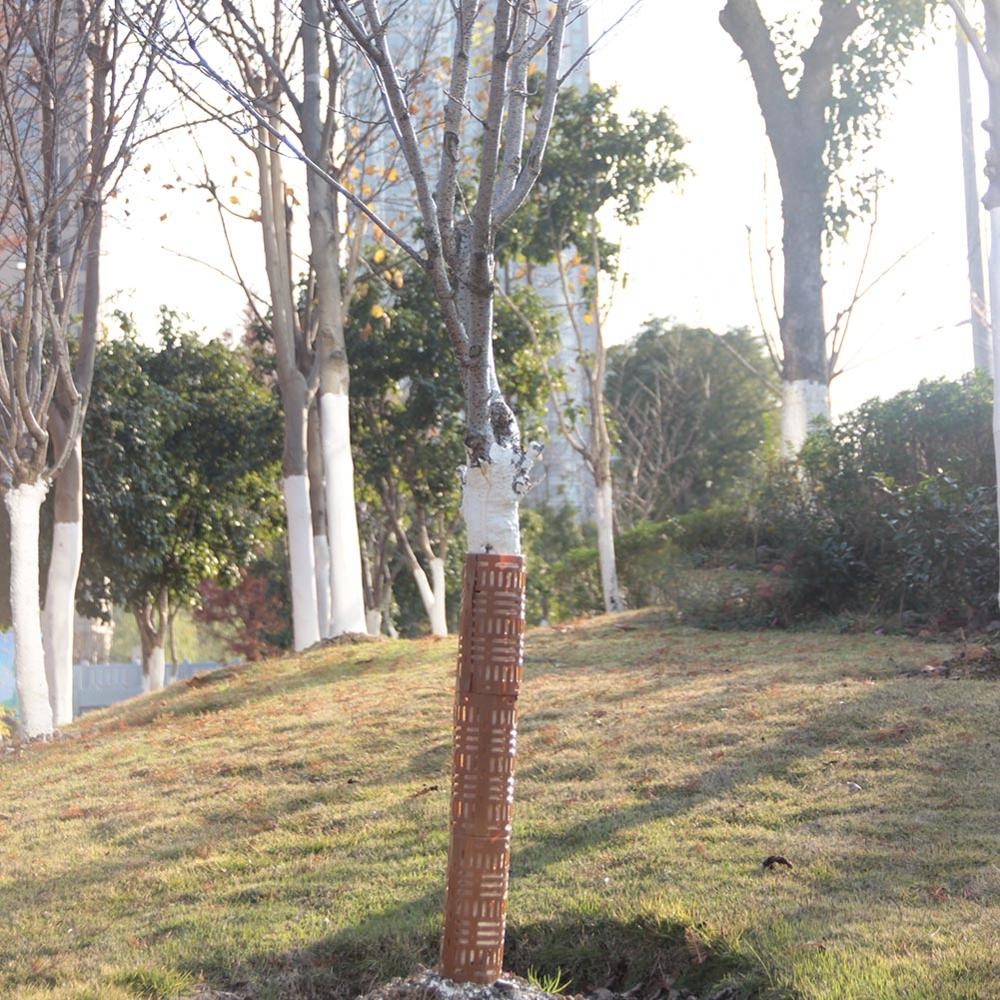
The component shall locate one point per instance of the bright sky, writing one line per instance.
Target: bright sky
(688, 259)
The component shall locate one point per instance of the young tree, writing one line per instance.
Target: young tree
(459, 231)
(594, 159)
(72, 85)
(179, 473)
(820, 102)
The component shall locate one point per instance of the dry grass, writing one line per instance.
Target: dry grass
(279, 831)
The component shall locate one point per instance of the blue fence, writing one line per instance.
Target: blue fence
(97, 685)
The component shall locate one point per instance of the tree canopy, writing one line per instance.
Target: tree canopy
(181, 457)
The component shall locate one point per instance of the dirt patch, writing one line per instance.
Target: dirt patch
(428, 985)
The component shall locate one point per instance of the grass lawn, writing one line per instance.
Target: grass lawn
(280, 830)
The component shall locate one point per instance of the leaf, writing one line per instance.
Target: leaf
(588, 318)
(392, 176)
(234, 199)
(377, 312)
(379, 255)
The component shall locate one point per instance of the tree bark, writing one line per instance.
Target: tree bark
(23, 504)
(604, 518)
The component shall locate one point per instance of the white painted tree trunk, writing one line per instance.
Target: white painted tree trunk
(321, 550)
(302, 568)
(994, 268)
(23, 505)
(604, 516)
(154, 669)
(802, 401)
(439, 611)
(347, 606)
(373, 621)
(60, 595)
(491, 495)
(432, 594)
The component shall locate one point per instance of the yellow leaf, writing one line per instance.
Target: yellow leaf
(392, 176)
(377, 311)
(588, 318)
(379, 255)
(233, 200)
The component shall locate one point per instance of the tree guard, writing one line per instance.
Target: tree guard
(490, 659)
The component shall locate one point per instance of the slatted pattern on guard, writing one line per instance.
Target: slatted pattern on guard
(490, 657)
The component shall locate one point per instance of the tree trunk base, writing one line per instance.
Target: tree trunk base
(490, 658)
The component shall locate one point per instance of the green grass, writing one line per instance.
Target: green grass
(280, 831)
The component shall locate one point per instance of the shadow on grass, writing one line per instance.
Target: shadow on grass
(589, 950)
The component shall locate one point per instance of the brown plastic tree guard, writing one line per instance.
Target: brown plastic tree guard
(490, 659)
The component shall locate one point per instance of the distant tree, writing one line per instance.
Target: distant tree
(408, 409)
(689, 408)
(183, 446)
(822, 103)
(595, 159)
(72, 91)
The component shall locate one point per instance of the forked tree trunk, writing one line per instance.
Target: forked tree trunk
(796, 129)
(152, 621)
(60, 588)
(23, 504)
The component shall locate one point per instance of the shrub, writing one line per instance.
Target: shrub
(892, 509)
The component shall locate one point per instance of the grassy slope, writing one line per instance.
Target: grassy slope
(281, 830)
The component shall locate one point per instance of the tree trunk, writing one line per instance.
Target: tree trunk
(982, 352)
(604, 516)
(347, 612)
(35, 711)
(317, 502)
(439, 608)
(152, 623)
(491, 650)
(60, 588)
(805, 382)
(294, 393)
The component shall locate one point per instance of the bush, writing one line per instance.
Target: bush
(891, 510)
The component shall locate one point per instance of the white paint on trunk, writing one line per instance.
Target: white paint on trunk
(802, 401)
(305, 621)
(347, 605)
(35, 712)
(432, 594)
(439, 609)
(60, 594)
(153, 670)
(373, 621)
(994, 269)
(322, 554)
(604, 516)
(490, 496)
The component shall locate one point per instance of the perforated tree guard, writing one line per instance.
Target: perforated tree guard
(490, 658)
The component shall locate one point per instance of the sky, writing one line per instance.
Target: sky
(690, 257)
